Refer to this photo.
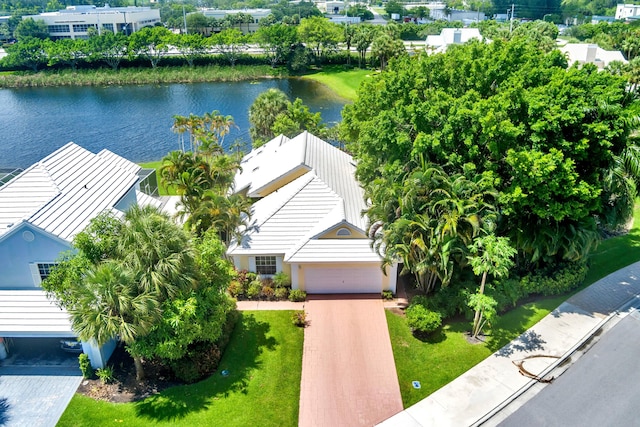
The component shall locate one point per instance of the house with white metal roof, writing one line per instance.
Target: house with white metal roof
(41, 211)
(587, 53)
(308, 220)
(438, 43)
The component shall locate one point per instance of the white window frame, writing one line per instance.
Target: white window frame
(261, 261)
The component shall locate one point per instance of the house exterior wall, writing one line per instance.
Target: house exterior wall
(16, 253)
(333, 234)
(245, 262)
(99, 355)
(282, 181)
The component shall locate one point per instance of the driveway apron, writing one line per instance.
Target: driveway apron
(348, 372)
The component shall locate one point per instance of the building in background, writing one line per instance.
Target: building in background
(74, 22)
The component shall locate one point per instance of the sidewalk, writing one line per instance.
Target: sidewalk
(480, 393)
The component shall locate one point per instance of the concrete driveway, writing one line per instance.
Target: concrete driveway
(35, 388)
(348, 373)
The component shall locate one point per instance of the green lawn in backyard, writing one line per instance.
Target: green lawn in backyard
(447, 354)
(170, 191)
(343, 82)
(264, 360)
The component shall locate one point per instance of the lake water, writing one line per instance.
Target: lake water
(133, 121)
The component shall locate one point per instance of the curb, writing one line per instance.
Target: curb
(623, 307)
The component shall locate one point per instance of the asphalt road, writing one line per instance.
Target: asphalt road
(601, 389)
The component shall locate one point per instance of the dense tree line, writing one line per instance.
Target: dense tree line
(313, 40)
(492, 139)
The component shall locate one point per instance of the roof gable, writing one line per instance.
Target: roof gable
(65, 190)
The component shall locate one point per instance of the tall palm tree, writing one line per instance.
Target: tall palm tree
(111, 305)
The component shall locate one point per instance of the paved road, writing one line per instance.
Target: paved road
(348, 372)
(601, 389)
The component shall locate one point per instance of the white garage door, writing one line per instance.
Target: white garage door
(335, 280)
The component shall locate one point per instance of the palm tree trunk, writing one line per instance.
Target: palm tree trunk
(137, 360)
(476, 317)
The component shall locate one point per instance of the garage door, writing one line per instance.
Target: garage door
(321, 280)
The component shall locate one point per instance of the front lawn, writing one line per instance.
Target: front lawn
(447, 354)
(264, 360)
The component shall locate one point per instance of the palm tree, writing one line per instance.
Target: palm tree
(263, 112)
(157, 251)
(111, 305)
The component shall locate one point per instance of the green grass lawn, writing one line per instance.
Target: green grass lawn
(264, 359)
(344, 82)
(170, 191)
(447, 354)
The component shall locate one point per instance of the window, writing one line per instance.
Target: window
(266, 265)
(44, 269)
(82, 28)
(58, 28)
(343, 232)
(108, 27)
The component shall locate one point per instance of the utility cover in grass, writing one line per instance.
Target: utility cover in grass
(416, 385)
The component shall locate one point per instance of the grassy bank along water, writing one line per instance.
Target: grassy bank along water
(343, 81)
(127, 76)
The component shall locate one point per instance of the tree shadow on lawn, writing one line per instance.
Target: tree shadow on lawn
(509, 326)
(248, 341)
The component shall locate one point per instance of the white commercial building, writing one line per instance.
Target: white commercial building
(75, 21)
(245, 27)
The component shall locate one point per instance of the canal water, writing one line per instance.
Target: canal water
(133, 121)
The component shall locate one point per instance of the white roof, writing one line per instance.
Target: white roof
(31, 313)
(334, 250)
(281, 156)
(308, 188)
(65, 190)
(590, 53)
(448, 36)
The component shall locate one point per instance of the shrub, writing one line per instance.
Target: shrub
(559, 280)
(105, 374)
(297, 295)
(387, 295)
(85, 366)
(255, 289)
(268, 292)
(422, 320)
(299, 318)
(201, 360)
(235, 289)
(281, 280)
(281, 293)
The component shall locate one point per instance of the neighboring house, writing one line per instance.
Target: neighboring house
(75, 21)
(627, 11)
(41, 210)
(308, 220)
(585, 53)
(448, 36)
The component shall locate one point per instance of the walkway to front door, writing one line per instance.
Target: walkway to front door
(348, 372)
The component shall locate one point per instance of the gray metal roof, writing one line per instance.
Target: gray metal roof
(65, 190)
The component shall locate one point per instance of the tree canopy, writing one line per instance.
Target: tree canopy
(508, 114)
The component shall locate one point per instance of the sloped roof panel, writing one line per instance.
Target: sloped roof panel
(69, 188)
(31, 313)
(299, 210)
(334, 250)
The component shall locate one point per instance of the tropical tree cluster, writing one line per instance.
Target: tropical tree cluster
(272, 114)
(202, 175)
(146, 281)
(496, 139)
